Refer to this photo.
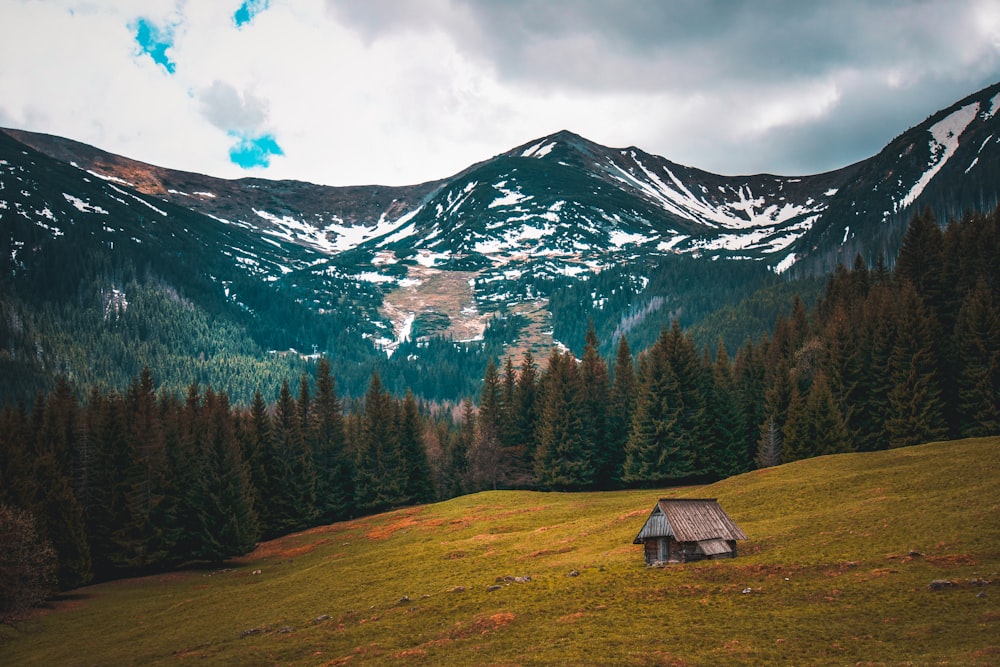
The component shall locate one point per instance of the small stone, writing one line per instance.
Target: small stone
(321, 618)
(747, 591)
(494, 587)
(573, 573)
(939, 584)
(981, 594)
(915, 554)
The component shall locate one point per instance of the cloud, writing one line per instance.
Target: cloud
(244, 118)
(155, 41)
(401, 92)
(248, 10)
(227, 109)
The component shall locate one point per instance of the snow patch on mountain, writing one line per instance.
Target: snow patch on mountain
(539, 150)
(84, 206)
(943, 143)
(508, 197)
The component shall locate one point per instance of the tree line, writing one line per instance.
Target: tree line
(128, 482)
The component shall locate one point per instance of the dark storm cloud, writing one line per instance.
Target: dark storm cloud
(884, 65)
(651, 44)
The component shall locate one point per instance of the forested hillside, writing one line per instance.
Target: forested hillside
(130, 481)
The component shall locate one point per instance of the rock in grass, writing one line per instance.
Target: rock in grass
(940, 584)
(494, 587)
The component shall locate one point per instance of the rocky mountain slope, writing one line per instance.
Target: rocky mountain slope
(536, 240)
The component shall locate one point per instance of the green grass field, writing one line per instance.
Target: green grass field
(828, 565)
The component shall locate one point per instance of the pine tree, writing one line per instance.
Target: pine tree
(692, 437)
(977, 338)
(419, 488)
(293, 499)
(620, 409)
(916, 411)
(769, 449)
(258, 452)
(656, 450)
(112, 524)
(55, 506)
(596, 383)
(525, 422)
(486, 465)
(380, 480)
(458, 450)
(723, 421)
(334, 476)
(229, 522)
(563, 458)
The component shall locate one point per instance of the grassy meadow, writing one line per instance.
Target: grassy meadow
(837, 569)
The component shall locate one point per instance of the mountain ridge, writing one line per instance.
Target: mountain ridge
(532, 242)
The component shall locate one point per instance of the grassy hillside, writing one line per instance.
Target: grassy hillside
(830, 575)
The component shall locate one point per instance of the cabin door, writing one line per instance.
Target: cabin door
(664, 549)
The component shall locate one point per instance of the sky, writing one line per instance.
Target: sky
(397, 92)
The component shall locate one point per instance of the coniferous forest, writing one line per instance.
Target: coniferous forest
(142, 479)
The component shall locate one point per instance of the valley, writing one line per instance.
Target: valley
(838, 570)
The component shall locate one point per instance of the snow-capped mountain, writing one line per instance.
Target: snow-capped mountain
(557, 222)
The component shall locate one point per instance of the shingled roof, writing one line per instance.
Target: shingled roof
(689, 520)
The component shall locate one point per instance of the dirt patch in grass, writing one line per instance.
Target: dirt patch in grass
(954, 560)
(282, 549)
(390, 529)
(483, 625)
(548, 552)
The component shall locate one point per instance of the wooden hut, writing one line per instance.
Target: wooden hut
(682, 529)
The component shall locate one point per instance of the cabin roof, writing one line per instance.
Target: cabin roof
(689, 520)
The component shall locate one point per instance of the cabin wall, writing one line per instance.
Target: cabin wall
(669, 550)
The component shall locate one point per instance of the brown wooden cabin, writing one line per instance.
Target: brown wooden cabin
(682, 529)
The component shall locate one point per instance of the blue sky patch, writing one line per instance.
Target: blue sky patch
(154, 41)
(250, 152)
(248, 10)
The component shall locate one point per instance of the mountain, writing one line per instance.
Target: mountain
(427, 281)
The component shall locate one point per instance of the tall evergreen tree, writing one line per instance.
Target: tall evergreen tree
(418, 488)
(657, 451)
(334, 476)
(916, 411)
(293, 495)
(525, 422)
(380, 480)
(728, 453)
(229, 523)
(620, 408)
(486, 464)
(977, 338)
(563, 458)
(596, 383)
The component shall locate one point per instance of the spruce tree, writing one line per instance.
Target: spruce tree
(977, 340)
(563, 458)
(525, 422)
(916, 411)
(419, 488)
(620, 408)
(486, 464)
(656, 451)
(229, 523)
(596, 383)
(380, 480)
(334, 476)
